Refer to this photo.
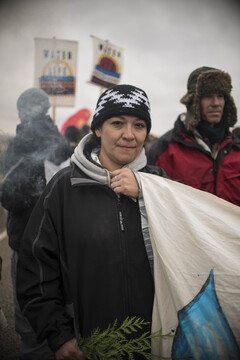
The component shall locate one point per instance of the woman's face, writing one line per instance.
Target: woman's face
(122, 138)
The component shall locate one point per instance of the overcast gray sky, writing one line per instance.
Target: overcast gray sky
(163, 42)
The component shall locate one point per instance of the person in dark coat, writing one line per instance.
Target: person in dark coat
(72, 135)
(201, 150)
(37, 139)
(86, 258)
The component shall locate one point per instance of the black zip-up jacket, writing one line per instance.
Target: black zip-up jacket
(83, 245)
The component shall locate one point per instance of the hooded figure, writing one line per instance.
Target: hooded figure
(200, 150)
(37, 139)
(32, 104)
(87, 243)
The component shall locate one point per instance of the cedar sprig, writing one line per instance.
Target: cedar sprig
(113, 342)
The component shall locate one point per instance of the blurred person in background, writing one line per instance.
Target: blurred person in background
(85, 129)
(200, 150)
(72, 134)
(36, 140)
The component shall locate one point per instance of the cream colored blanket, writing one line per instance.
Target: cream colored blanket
(196, 243)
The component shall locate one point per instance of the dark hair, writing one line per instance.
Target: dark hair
(93, 143)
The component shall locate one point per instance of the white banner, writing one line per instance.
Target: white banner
(108, 62)
(196, 243)
(56, 69)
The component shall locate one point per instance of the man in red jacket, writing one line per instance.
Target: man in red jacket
(200, 150)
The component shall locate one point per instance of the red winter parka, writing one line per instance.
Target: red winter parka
(183, 158)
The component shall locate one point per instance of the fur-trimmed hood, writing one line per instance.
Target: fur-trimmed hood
(204, 81)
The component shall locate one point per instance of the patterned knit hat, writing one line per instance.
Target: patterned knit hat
(204, 81)
(122, 100)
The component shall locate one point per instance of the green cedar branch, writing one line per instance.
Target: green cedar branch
(114, 344)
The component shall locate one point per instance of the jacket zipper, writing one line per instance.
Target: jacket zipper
(119, 205)
(126, 298)
(215, 176)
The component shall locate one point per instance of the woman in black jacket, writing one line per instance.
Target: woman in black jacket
(86, 257)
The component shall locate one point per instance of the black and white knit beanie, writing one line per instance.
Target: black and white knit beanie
(122, 100)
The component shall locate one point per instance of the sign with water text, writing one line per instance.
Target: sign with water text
(55, 69)
(108, 62)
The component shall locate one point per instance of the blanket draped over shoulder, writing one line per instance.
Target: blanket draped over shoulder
(196, 243)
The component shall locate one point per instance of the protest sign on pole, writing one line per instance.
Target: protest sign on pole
(108, 62)
(55, 70)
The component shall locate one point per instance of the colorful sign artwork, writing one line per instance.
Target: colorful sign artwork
(108, 62)
(55, 69)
